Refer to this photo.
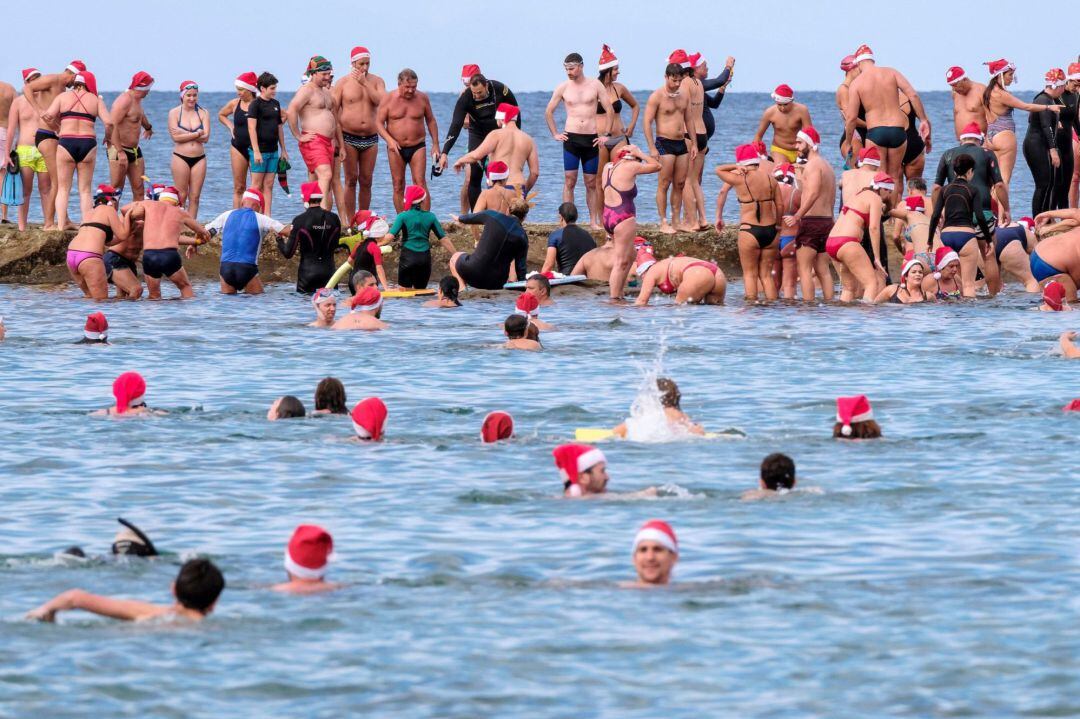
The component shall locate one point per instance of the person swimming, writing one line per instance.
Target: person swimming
(496, 426)
(656, 551)
(670, 399)
(516, 328)
(307, 558)
(325, 303)
(330, 397)
(365, 308)
(286, 407)
(369, 418)
(855, 419)
(583, 469)
(129, 389)
(96, 330)
(777, 476)
(132, 541)
(448, 294)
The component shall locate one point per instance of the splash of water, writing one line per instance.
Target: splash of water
(647, 421)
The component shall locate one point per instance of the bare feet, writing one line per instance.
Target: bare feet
(683, 227)
(666, 229)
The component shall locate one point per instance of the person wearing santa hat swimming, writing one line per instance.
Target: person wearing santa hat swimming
(786, 117)
(761, 220)
(129, 389)
(844, 245)
(22, 126)
(497, 426)
(316, 233)
(656, 550)
(910, 290)
(364, 310)
(307, 559)
(189, 126)
(415, 226)
(509, 146)
(855, 419)
(516, 328)
(669, 109)
(368, 419)
(1053, 299)
(583, 469)
(358, 95)
(95, 331)
(944, 283)
(401, 121)
(126, 160)
(163, 221)
(242, 233)
(312, 117)
(528, 306)
(877, 90)
(1001, 127)
(967, 97)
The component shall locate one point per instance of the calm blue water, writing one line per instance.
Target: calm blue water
(737, 120)
(935, 574)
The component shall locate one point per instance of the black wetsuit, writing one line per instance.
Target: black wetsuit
(481, 114)
(502, 241)
(915, 144)
(1070, 121)
(316, 233)
(1041, 136)
(711, 103)
(570, 243)
(987, 172)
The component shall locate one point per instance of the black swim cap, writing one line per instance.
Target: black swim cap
(140, 546)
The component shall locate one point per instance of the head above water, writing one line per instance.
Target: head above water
(539, 286)
(515, 326)
(330, 396)
(198, 585)
(656, 550)
(777, 472)
(286, 407)
(449, 287)
(669, 392)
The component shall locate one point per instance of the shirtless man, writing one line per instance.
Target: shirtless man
(7, 96)
(509, 144)
(583, 132)
(126, 160)
(22, 125)
(358, 95)
(162, 222)
(313, 109)
(669, 108)
(40, 93)
(967, 97)
(365, 309)
(787, 117)
(656, 550)
(400, 121)
(851, 71)
(876, 91)
(814, 216)
(121, 260)
(596, 264)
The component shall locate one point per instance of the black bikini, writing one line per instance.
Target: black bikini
(192, 161)
(103, 227)
(764, 234)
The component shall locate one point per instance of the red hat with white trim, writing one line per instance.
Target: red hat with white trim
(573, 459)
(783, 95)
(169, 194)
(909, 262)
(359, 53)
(607, 59)
(1074, 71)
(847, 62)
(852, 409)
(188, 85)
(247, 81)
(506, 112)
(141, 81)
(253, 193)
(497, 171)
(863, 53)
(96, 327)
(1028, 223)
(76, 66)
(943, 256)
(746, 155)
(414, 194)
(377, 228)
(1073, 406)
(955, 74)
(680, 58)
(310, 191)
(883, 181)
(309, 552)
(30, 73)
(362, 218)
(1054, 295)
(785, 171)
(999, 67)
(88, 79)
(467, 71)
(971, 131)
(527, 305)
(658, 531)
(761, 149)
(497, 426)
(915, 203)
(644, 260)
(810, 136)
(367, 299)
(368, 418)
(128, 389)
(870, 156)
(1055, 78)
(696, 60)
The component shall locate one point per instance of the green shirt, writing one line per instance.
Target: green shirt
(417, 225)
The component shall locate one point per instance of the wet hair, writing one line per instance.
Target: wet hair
(673, 69)
(519, 208)
(266, 80)
(604, 74)
(330, 394)
(917, 183)
(478, 78)
(532, 332)
(543, 281)
(670, 396)
(568, 211)
(859, 430)
(199, 584)
(104, 199)
(994, 82)
(516, 326)
(358, 277)
(290, 407)
(575, 58)
(449, 286)
(406, 74)
(962, 164)
(778, 471)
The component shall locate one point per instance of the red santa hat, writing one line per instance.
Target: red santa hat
(870, 156)
(883, 181)
(141, 81)
(88, 79)
(30, 73)
(761, 149)
(942, 257)
(169, 194)
(97, 327)
(363, 218)
(1028, 223)
(607, 59)
(573, 459)
(999, 67)
(367, 299)
(955, 74)
(783, 94)
(863, 53)
(128, 389)
(644, 260)
(847, 62)
(309, 552)
(377, 228)
(496, 426)
(76, 66)
(1073, 406)
(497, 171)
(680, 58)
(188, 85)
(414, 194)
(253, 193)
(971, 131)
(467, 71)
(1054, 295)
(506, 112)
(696, 60)
(247, 81)
(810, 136)
(785, 171)
(368, 418)
(657, 531)
(746, 155)
(1055, 78)
(915, 203)
(359, 53)
(527, 305)
(909, 261)
(310, 191)
(1074, 71)
(852, 409)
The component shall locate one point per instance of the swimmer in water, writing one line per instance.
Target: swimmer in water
(330, 397)
(365, 309)
(583, 469)
(529, 307)
(132, 541)
(539, 286)
(287, 407)
(656, 550)
(369, 418)
(691, 280)
(325, 302)
(777, 475)
(670, 399)
(909, 291)
(944, 283)
(307, 558)
(516, 328)
(855, 419)
(1068, 345)
(96, 330)
(448, 294)
(496, 427)
(197, 587)
(129, 390)
(1053, 298)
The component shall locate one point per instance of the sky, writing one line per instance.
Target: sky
(523, 43)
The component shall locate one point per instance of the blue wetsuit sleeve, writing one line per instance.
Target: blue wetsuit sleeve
(473, 218)
(437, 228)
(555, 238)
(457, 122)
(716, 82)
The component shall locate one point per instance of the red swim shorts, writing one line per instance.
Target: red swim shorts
(319, 151)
